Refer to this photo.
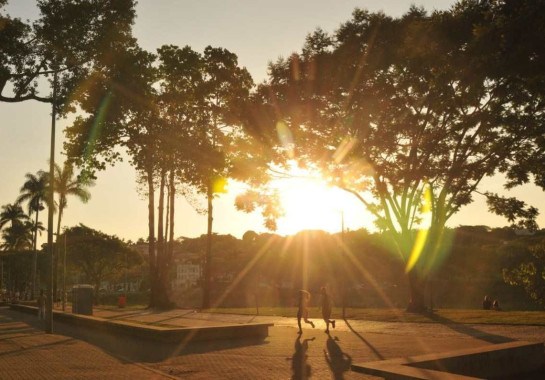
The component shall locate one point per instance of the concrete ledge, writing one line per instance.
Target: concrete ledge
(493, 361)
(159, 333)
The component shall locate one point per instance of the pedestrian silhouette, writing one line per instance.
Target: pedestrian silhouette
(302, 311)
(326, 309)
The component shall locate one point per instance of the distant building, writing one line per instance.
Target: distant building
(188, 274)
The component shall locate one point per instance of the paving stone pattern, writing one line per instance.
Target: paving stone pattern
(73, 353)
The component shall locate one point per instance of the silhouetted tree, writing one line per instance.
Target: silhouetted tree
(393, 108)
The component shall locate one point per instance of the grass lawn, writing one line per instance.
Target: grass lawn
(400, 315)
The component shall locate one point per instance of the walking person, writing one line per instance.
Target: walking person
(41, 305)
(326, 309)
(302, 311)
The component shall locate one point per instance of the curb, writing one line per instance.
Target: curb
(158, 333)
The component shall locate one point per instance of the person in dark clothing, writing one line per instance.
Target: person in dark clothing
(487, 303)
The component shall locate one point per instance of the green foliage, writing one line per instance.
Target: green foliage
(526, 268)
(393, 109)
(96, 255)
(13, 214)
(80, 41)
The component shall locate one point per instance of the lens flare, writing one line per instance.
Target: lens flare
(219, 185)
(422, 235)
(344, 148)
(97, 125)
(286, 138)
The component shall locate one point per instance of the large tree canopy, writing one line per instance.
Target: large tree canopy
(394, 111)
(80, 41)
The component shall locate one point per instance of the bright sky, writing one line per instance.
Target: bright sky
(258, 31)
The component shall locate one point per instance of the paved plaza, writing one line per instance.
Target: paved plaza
(76, 353)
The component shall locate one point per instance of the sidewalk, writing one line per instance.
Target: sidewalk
(282, 355)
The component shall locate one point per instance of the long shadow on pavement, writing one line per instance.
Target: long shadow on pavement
(128, 348)
(375, 351)
(339, 362)
(299, 366)
(468, 330)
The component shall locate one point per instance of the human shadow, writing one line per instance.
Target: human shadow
(299, 366)
(468, 330)
(375, 351)
(339, 362)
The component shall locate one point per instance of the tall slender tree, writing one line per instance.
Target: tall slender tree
(226, 87)
(67, 184)
(34, 192)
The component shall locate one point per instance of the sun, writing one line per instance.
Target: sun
(309, 203)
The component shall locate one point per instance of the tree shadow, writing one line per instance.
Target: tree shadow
(468, 330)
(299, 366)
(44, 345)
(375, 351)
(339, 362)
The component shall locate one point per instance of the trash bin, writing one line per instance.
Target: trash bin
(82, 299)
(122, 301)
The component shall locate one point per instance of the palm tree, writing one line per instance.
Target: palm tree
(67, 184)
(17, 237)
(34, 192)
(13, 214)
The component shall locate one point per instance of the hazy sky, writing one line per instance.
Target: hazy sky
(258, 31)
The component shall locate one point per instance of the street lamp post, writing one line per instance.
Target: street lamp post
(344, 255)
(64, 275)
(49, 303)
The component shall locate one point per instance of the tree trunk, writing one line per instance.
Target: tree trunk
(162, 300)
(151, 237)
(56, 256)
(417, 300)
(208, 259)
(172, 196)
(34, 257)
(167, 214)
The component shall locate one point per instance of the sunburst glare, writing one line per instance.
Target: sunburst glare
(311, 204)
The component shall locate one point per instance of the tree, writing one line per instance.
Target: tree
(34, 192)
(89, 32)
(18, 237)
(393, 108)
(225, 87)
(135, 124)
(167, 128)
(526, 269)
(66, 184)
(96, 255)
(13, 214)
(510, 47)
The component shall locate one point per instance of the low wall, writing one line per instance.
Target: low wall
(493, 361)
(158, 333)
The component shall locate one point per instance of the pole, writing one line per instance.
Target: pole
(49, 303)
(344, 255)
(64, 276)
(126, 269)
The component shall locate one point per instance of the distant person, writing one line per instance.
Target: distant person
(41, 305)
(487, 303)
(326, 309)
(302, 311)
(496, 305)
